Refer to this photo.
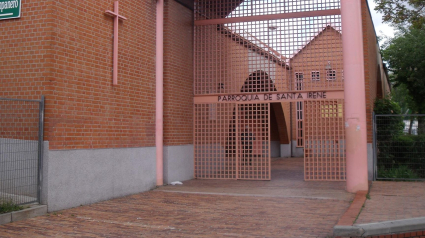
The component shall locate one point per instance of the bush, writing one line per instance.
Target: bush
(401, 172)
(403, 150)
(390, 126)
(386, 106)
(9, 206)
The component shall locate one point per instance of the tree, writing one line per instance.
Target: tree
(406, 59)
(400, 12)
(401, 96)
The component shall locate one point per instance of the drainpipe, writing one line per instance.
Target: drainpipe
(354, 96)
(159, 112)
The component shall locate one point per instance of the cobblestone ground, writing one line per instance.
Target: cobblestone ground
(231, 210)
(393, 201)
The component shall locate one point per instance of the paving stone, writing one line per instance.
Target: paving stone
(393, 201)
(205, 208)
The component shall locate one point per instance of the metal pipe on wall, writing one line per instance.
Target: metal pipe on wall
(159, 112)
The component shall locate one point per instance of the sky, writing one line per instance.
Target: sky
(380, 28)
(284, 44)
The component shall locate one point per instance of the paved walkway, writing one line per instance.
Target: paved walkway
(393, 201)
(284, 207)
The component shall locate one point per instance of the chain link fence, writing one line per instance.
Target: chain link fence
(399, 146)
(21, 151)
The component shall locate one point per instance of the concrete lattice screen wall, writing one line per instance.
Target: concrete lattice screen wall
(235, 63)
(241, 70)
(325, 47)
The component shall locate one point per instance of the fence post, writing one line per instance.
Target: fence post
(374, 147)
(40, 148)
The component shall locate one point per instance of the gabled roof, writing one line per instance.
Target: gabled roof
(327, 28)
(279, 59)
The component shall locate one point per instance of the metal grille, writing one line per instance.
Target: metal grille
(20, 149)
(225, 53)
(324, 150)
(253, 134)
(244, 47)
(215, 9)
(232, 141)
(214, 141)
(399, 147)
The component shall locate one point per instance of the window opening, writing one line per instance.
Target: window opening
(331, 110)
(315, 76)
(330, 74)
(299, 85)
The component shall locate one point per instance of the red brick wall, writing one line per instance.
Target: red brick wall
(26, 56)
(370, 50)
(26, 52)
(178, 74)
(63, 49)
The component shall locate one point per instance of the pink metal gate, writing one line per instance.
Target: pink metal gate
(251, 53)
(232, 141)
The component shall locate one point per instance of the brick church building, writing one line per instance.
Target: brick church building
(142, 93)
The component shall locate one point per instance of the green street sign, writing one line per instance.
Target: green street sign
(10, 9)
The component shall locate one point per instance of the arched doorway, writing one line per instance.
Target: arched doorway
(253, 128)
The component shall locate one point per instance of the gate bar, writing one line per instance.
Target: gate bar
(269, 17)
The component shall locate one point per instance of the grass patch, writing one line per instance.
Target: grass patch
(8, 206)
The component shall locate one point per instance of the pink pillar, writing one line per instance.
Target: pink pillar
(354, 94)
(159, 130)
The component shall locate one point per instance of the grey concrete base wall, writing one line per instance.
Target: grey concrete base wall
(370, 161)
(297, 151)
(285, 150)
(275, 149)
(77, 177)
(178, 163)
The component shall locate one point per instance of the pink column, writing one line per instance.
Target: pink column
(354, 94)
(159, 130)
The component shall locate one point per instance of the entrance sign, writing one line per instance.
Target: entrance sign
(10, 9)
(271, 97)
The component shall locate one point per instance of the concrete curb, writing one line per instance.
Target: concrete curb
(381, 228)
(33, 211)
